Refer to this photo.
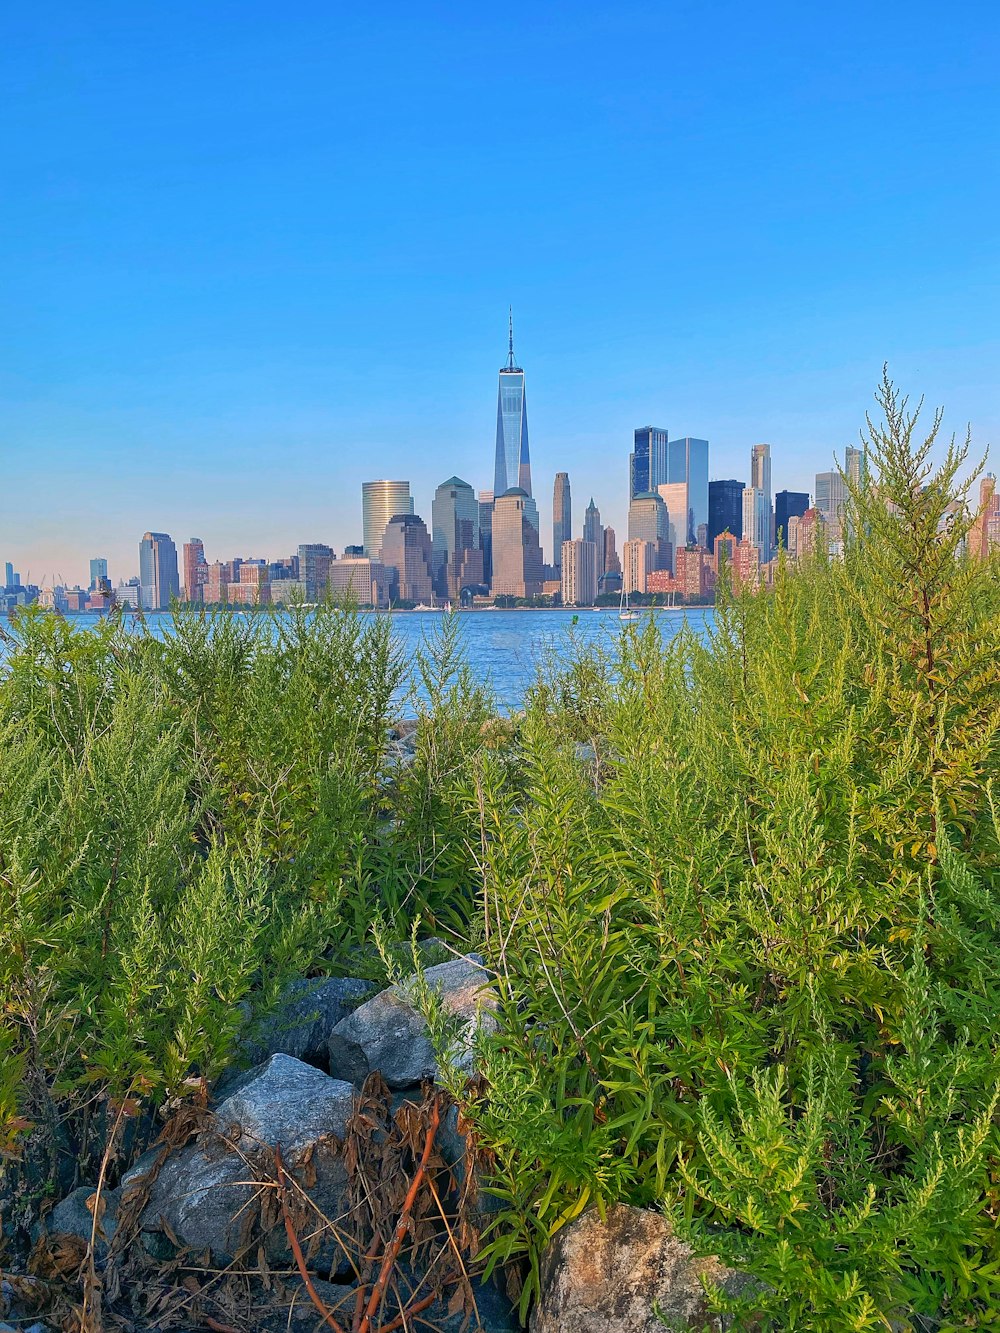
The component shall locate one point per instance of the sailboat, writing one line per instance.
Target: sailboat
(624, 610)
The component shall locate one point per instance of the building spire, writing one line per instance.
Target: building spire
(510, 338)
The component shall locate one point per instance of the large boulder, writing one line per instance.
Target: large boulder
(72, 1217)
(204, 1193)
(301, 1023)
(613, 1276)
(390, 1034)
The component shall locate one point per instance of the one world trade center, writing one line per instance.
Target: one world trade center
(513, 466)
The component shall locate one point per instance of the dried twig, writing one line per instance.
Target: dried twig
(293, 1241)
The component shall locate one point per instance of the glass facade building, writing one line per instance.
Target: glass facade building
(158, 573)
(648, 460)
(687, 462)
(512, 465)
(456, 555)
(787, 504)
(725, 509)
(562, 516)
(381, 501)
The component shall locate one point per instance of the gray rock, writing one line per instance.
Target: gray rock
(204, 1193)
(454, 1149)
(606, 1277)
(72, 1217)
(301, 1024)
(393, 1035)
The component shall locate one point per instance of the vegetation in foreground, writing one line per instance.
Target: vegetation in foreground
(741, 899)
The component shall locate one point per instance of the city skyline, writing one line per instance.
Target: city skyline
(216, 322)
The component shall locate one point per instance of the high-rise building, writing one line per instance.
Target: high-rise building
(760, 480)
(649, 521)
(315, 562)
(647, 464)
(756, 521)
(254, 585)
(676, 497)
(457, 557)
(195, 569)
(98, 571)
(359, 580)
(381, 501)
(687, 462)
(486, 534)
(512, 467)
(579, 573)
(612, 565)
(406, 549)
(8, 575)
(725, 509)
(517, 556)
(562, 516)
(158, 571)
(217, 579)
(639, 560)
(787, 504)
(593, 532)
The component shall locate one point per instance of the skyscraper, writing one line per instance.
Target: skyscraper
(639, 559)
(562, 516)
(315, 560)
(649, 521)
(725, 509)
(648, 460)
(760, 479)
(612, 565)
(195, 569)
(486, 534)
(457, 559)
(687, 461)
(512, 465)
(579, 573)
(381, 501)
(757, 521)
(677, 497)
(406, 548)
(158, 571)
(593, 532)
(787, 505)
(98, 572)
(517, 556)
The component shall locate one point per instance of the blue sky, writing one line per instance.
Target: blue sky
(254, 254)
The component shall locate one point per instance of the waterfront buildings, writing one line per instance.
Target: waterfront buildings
(647, 464)
(787, 504)
(158, 573)
(687, 463)
(562, 516)
(315, 560)
(98, 572)
(512, 463)
(639, 560)
(360, 580)
(381, 501)
(517, 555)
(984, 536)
(725, 509)
(195, 569)
(253, 588)
(757, 520)
(579, 573)
(406, 556)
(457, 558)
(486, 534)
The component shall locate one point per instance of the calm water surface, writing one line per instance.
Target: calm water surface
(504, 648)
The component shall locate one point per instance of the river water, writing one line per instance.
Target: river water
(504, 648)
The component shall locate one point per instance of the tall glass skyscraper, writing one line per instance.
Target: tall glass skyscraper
(687, 461)
(513, 464)
(562, 516)
(158, 573)
(648, 461)
(381, 501)
(725, 509)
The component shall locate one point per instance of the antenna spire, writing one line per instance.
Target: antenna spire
(510, 338)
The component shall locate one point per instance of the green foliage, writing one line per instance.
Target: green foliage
(748, 950)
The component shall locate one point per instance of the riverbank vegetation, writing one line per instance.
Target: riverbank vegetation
(740, 896)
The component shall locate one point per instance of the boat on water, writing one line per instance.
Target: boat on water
(625, 612)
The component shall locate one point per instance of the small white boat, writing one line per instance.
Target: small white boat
(624, 610)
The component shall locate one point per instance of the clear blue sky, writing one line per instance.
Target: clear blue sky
(253, 254)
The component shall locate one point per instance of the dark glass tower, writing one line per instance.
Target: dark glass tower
(513, 464)
(725, 509)
(562, 516)
(648, 461)
(787, 504)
